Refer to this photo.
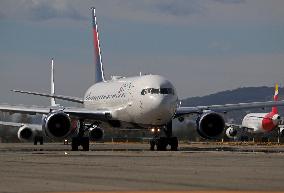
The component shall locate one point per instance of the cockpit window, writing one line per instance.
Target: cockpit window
(166, 91)
(163, 91)
(154, 91)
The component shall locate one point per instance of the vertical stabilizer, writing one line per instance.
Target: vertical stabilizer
(52, 100)
(99, 71)
(275, 109)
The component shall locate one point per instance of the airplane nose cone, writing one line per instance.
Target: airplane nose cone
(162, 108)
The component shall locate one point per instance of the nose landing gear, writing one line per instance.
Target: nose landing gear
(162, 143)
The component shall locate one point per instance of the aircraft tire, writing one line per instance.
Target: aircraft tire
(244, 139)
(75, 144)
(41, 140)
(85, 142)
(35, 140)
(173, 142)
(162, 144)
(152, 144)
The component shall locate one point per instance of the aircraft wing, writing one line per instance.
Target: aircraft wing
(32, 110)
(227, 107)
(66, 98)
(233, 125)
(13, 124)
(100, 114)
(239, 127)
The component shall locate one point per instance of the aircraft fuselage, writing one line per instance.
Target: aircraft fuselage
(148, 100)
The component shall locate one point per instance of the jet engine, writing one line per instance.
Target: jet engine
(96, 134)
(57, 125)
(25, 133)
(210, 125)
(231, 132)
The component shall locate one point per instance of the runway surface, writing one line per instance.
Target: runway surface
(133, 168)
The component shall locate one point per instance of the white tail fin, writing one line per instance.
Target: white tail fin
(52, 89)
(99, 71)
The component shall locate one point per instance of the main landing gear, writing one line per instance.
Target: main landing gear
(81, 139)
(163, 142)
(38, 139)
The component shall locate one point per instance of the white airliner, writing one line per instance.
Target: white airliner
(141, 102)
(257, 122)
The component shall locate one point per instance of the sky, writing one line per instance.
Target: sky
(201, 46)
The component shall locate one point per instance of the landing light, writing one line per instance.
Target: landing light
(65, 142)
(154, 130)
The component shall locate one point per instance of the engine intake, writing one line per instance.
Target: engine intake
(210, 125)
(57, 125)
(25, 133)
(231, 132)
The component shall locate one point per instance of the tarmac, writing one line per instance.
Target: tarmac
(131, 167)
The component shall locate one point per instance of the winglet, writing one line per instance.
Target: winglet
(275, 109)
(99, 71)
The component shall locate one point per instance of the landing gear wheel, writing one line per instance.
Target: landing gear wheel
(162, 144)
(152, 144)
(244, 139)
(173, 142)
(35, 140)
(75, 144)
(38, 139)
(83, 141)
(41, 140)
(80, 139)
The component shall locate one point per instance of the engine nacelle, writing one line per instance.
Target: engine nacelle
(231, 132)
(210, 125)
(96, 134)
(58, 125)
(25, 133)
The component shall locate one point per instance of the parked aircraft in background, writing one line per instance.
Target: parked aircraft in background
(257, 122)
(140, 102)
